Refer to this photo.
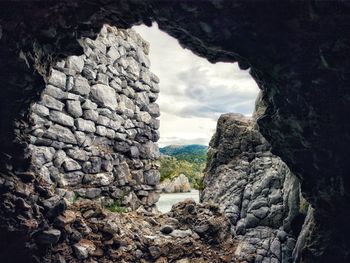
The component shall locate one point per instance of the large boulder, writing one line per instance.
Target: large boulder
(179, 184)
(259, 194)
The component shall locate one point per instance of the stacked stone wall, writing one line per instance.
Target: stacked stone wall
(93, 132)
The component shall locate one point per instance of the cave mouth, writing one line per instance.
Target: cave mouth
(194, 93)
(271, 38)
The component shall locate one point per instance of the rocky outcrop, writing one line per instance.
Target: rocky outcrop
(179, 184)
(259, 194)
(190, 232)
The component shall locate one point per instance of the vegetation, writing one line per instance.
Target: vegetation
(188, 159)
(117, 207)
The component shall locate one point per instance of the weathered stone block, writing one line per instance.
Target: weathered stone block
(75, 63)
(58, 79)
(85, 125)
(40, 110)
(151, 177)
(62, 134)
(51, 103)
(61, 118)
(104, 95)
(81, 86)
(74, 108)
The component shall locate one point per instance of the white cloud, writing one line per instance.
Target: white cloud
(194, 92)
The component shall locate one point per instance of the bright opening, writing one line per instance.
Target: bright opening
(193, 94)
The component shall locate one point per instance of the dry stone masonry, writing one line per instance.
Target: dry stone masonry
(93, 132)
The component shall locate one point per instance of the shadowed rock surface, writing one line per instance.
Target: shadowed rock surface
(298, 55)
(190, 232)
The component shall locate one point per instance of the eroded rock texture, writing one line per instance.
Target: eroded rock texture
(190, 232)
(258, 192)
(297, 52)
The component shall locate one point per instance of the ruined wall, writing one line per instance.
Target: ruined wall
(259, 194)
(92, 134)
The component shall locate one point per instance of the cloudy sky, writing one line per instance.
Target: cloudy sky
(194, 92)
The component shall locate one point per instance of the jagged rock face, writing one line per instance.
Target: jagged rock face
(297, 52)
(258, 192)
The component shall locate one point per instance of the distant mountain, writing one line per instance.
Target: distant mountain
(192, 152)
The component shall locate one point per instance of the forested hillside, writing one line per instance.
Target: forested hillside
(184, 159)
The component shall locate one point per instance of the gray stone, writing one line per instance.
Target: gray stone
(145, 117)
(151, 177)
(261, 212)
(102, 78)
(62, 134)
(89, 105)
(51, 103)
(153, 109)
(59, 158)
(142, 99)
(58, 79)
(92, 193)
(150, 150)
(70, 83)
(115, 125)
(71, 178)
(57, 93)
(70, 165)
(74, 108)
(80, 136)
(103, 120)
(81, 86)
(251, 221)
(144, 60)
(37, 120)
(101, 130)
(126, 103)
(100, 179)
(181, 233)
(80, 251)
(76, 63)
(90, 115)
(120, 136)
(110, 133)
(113, 54)
(41, 155)
(78, 154)
(116, 86)
(131, 133)
(104, 95)
(61, 118)
(40, 110)
(134, 152)
(123, 171)
(85, 125)
(133, 68)
(89, 73)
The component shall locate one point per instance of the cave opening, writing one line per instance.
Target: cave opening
(296, 51)
(194, 93)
